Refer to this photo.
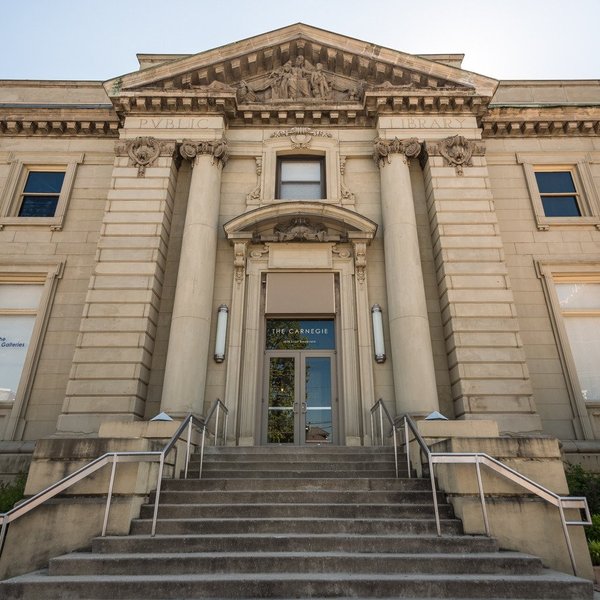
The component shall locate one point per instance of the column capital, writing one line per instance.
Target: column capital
(382, 149)
(144, 150)
(456, 150)
(218, 149)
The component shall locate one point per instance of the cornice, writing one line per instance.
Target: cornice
(59, 121)
(537, 121)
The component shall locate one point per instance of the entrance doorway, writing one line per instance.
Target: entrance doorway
(300, 388)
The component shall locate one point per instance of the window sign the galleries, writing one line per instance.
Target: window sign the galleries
(309, 334)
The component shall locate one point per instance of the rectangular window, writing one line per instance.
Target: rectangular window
(561, 189)
(19, 304)
(38, 189)
(558, 193)
(580, 308)
(300, 178)
(41, 193)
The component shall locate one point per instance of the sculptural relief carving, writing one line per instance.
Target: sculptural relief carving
(299, 80)
(360, 261)
(239, 261)
(217, 149)
(254, 196)
(300, 229)
(347, 196)
(301, 137)
(143, 151)
(457, 151)
(382, 149)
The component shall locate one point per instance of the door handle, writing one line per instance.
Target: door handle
(304, 408)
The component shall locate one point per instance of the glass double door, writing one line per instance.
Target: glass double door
(300, 393)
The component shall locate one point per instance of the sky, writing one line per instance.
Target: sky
(98, 39)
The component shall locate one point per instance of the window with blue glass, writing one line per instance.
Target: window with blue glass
(41, 193)
(558, 193)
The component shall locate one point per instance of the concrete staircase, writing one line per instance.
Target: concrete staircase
(310, 522)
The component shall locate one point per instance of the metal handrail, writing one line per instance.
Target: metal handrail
(113, 458)
(216, 407)
(480, 458)
(384, 411)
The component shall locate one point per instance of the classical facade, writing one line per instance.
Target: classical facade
(299, 224)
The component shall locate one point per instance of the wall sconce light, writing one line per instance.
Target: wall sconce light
(377, 318)
(222, 316)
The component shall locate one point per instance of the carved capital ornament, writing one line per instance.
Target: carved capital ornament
(218, 149)
(382, 149)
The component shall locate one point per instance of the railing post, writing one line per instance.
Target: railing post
(217, 422)
(187, 447)
(160, 475)
(435, 502)
(372, 431)
(395, 448)
(486, 522)
(3, 533)
(110, 492)
(202, 451)
(381, 424)
(563, 522)
(407, 444)
(225, 430)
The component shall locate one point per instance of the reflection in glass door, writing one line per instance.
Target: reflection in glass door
(283, 405)
(317, 409)
(300, 392)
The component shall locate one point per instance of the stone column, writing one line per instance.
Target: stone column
(488, 368)
(410, 340)
(188, 352)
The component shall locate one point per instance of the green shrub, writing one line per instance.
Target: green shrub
(594, 548)
(11, 493)
(584, 483)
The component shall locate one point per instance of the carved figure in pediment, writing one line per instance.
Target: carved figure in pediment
(300, 229)
(245, 93)
(319, 83)
(300, 79)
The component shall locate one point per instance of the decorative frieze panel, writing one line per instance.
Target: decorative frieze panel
(301, 137)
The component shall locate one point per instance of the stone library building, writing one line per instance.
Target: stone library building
(315, 236)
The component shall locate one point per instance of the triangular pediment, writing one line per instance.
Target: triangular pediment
(299, 64)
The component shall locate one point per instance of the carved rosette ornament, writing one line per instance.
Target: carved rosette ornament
(382, 149)
(457, 151)
(143, 152)
(218, 149)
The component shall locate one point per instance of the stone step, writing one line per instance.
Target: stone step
(316, 473)
(311, 450)
(81, 563)
(547, 586)
(283, 526)
(340, 542)
(296, 496)
(297, 483)
(390, 511)
(313, 457)
(296, 466)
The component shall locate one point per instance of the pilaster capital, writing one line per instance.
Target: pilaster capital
(382, 149)
(218, 149)
(456, 150)
(143, 151)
